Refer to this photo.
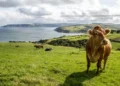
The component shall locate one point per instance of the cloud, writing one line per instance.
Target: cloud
(47, 11)
(61, 2)
(12, 16)
(102, 15)
(16, 3)
(103, 11)
(118, 2)
(34, 11)
(10, 3)
(71, 14)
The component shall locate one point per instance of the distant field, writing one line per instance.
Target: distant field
(85, 36)
(63, 66)
(113, 37)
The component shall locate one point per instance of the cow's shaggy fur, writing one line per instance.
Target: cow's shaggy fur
(98, 47)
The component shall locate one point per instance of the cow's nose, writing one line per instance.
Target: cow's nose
(104, 42)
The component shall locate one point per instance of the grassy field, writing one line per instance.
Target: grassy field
(73, 28)
(85, 36)
(63, 66)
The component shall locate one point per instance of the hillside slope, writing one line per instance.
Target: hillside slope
(84, 27)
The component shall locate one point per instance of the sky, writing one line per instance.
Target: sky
(59, 11)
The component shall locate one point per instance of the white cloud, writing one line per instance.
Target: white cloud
(61, 2)
(12, 16)
(14, 3)
(118, 2)
(10, 3)
(20, 11)
(34, 11)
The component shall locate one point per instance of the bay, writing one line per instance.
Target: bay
(29, 33)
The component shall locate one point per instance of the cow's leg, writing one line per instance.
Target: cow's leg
(98, 65)
(105, 60)
(88, 64)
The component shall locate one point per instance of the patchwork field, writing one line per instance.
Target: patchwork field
(63, 66)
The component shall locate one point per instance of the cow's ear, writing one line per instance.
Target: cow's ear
(90, 32)
(107, 31)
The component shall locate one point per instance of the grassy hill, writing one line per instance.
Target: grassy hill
(63, 66)
(84, 27)
(78, 41)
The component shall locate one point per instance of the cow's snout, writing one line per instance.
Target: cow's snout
(104, 42)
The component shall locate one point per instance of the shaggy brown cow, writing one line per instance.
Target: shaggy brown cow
(38, 46)
(98, 47)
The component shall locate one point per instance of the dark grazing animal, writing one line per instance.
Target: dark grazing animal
(48, 49)
(38, 46)
(98, 47)
(17, 46)
(118, 49)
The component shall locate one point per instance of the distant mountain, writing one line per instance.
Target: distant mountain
(84, 27)
(38, 25)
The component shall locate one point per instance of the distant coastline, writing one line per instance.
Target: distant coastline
(68, 27)
(82, 28)
(38, 25)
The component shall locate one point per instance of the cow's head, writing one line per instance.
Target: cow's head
(98, 34)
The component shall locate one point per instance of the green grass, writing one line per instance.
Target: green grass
(77, 37)
(114, 36)
(74, 28)
(63, 66)
(85, 36)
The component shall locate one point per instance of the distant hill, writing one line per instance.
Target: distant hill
(84, 27)
(38, 25)
(68, 27)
